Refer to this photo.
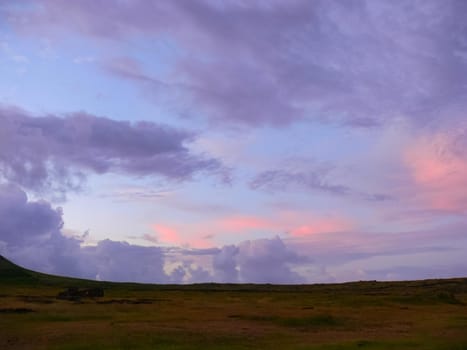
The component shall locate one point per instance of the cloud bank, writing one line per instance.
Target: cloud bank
(57, 151)
(31, 233)
(273, 63)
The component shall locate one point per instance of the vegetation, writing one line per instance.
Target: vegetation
(429, 314)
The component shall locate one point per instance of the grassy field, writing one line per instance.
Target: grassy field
(429, 314)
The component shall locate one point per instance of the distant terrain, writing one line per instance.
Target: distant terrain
(429, 314)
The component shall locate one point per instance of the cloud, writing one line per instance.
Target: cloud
(339, 257)
(257, 261)
(23, 221)
(132, 193)
(244, 223)
(219, 230)
(443, 243)
(56, 152)
(267, 261)
(281, 180)
(315, 180)
(31, 234)
(438, 169)
(224, 264)
(320, 226)
(123, 262)
(294, 224)
(167, 234)
(273, 63)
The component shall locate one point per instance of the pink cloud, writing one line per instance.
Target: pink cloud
(202, 234)
(295, 224)
(209, 233)
(179, 234)
(244, 223)
(439, 173)
(322, 226)
(167, 234)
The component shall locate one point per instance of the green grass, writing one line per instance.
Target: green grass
(361, 315)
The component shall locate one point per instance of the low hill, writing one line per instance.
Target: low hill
(13, 272)
(421, 290)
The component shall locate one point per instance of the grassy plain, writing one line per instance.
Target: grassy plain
(430, 314)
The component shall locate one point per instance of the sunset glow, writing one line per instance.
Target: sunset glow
(234, 141)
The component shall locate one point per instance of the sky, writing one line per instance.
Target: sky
(234, 141)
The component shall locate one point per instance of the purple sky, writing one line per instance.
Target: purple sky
(234, 141)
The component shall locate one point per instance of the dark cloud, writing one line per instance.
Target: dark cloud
(224, 264)
(196, 274)
(281, 180)
(252, 261)
(377, 197)
(53, 151)
(358, 63)
(199, 251)
(121, 261)
(257, 261)
(23, 221)
(31, 234)
(267, 261)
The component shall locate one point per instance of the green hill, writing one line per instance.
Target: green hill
(13, 272)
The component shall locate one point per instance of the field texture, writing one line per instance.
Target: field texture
(428, 314)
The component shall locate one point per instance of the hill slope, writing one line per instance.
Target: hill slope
(11, 274)
(11, 271)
